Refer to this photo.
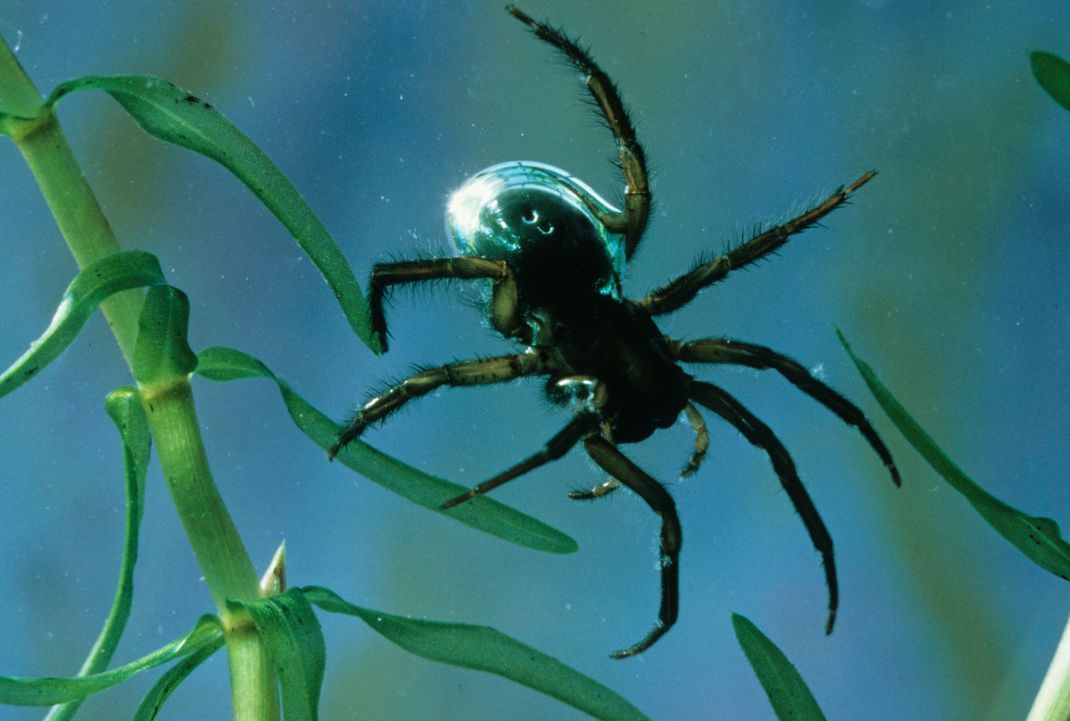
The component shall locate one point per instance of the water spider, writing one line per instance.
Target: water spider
(553, 252)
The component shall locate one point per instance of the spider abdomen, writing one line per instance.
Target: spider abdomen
(544, 223)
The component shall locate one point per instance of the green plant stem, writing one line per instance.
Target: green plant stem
(79, 217)
(220, 552)
(1053, 699)
(227, 570)
(251, 671)
(44, 147)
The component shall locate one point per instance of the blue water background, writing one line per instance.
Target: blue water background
(948, 273)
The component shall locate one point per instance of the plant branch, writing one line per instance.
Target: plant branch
(228, 572)
(227, 569)
(44, 147)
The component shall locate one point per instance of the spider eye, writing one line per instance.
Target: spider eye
(531, 217)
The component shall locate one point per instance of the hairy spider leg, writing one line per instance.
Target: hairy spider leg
(702, 441)
(682, 290)
(702, 445)
(605, 487)
(637, 196)
(724, 350)
(760, 435)
(503, 306)
(581, 424)
(612, 461)
(484, 371)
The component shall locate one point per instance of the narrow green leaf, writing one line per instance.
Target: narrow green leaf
(48, 691)
(157, 696)
(485, 514)
(1038, 538)
(162, 352)
(1053, 74)
(484, 649)
(294, 640)
(18, 96)
(787, 692)
(175, 116)
(124, 407)
(118, 272)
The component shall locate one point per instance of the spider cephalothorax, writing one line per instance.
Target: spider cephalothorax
(554, 252)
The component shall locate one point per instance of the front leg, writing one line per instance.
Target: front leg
(682, 290)
(462, 373)
(631, 159)
(503, 306)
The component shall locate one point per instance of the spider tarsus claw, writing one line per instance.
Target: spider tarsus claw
(456, 501)
(866, 177)
(632, 650)
(338, 445)
(831, 622)
(581, 495)
(659, 630)
(348, 434)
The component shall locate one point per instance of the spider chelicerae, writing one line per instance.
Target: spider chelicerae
(554, 252)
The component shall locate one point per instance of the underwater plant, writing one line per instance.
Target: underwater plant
(271, 631)
(1053, 74)
(274, 644)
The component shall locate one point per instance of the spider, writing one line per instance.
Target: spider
(554, 252)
